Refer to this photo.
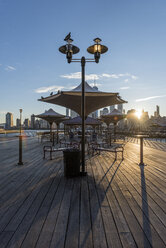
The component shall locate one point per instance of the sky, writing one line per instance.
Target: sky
(31, 66)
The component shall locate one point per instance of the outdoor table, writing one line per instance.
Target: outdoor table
(141, 137)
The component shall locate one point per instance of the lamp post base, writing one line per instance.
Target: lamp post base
(83, 173)
(142, 164)
(20, 163)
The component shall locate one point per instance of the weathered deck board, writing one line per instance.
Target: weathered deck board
(118, 204)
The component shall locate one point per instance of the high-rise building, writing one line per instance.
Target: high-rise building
(112, 107)
(9, 120)
(157, 110)
(105, 111)
(43, 124)
(26, 123)
(101, 112)
(33, 121)
(17, 123)
(37, 124)
(67, 112)
(120, 108)
(95, 114)
(73, 114)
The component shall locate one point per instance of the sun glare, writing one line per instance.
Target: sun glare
(138, 113)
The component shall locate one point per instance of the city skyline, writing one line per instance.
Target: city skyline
(96, 114)
(31, 65)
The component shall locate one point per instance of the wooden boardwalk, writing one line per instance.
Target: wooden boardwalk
(118, 204)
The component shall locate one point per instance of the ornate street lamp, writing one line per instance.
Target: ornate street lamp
(69, 50)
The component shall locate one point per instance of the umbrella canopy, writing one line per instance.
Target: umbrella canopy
(95, 99)
(51, 116)
(78, 121)
(112, 117)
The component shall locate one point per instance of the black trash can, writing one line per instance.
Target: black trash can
(71, 162)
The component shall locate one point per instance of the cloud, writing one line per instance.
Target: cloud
(124, 88)
(77, 75)
(109, 75)
(49, 89)
(126, 80)
(134, 77)
(3, 112)
(10, 68)
(149, 98)
(92, 84)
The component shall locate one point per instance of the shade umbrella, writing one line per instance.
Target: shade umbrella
(113, 117)
(94, 99)
(52, 116)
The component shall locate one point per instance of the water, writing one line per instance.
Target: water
(27, 133)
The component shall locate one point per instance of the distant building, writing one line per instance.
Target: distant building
(43, 124)
(158, 110)
(73, 114)
(101, 112)
(95, 114)
(9, 120)
(37, 124)
(17, 123)
(105, 111)
(120, 108)
(2, 125)
(33, 121)
(112, 108)
(145, 116)
(26, 123)
(67, 112)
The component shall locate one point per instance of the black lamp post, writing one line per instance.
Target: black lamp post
(20, 141)
(69, 50)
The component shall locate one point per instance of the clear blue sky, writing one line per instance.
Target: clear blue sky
(31, 31)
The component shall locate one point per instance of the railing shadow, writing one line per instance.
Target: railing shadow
(145, 209)
(97, 194)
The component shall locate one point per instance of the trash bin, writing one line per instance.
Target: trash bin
(71, 162)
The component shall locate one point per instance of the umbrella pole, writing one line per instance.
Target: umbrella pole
(109, 133)
(83, 117)
(57, 133)
(51, 133)
(114, 132)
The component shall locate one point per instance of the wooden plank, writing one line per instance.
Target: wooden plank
(143, 219)
(59, 235)
(145, 204)
(137, 232)
(50, 222)
(85, 217)
(72, 234)
(136, 171)
(112, 236)
(27, 221)
(137, 185)
(98, 232)
(35, 229)
(122, 226)
(15, 203)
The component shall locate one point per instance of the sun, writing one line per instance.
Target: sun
(138, 113)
